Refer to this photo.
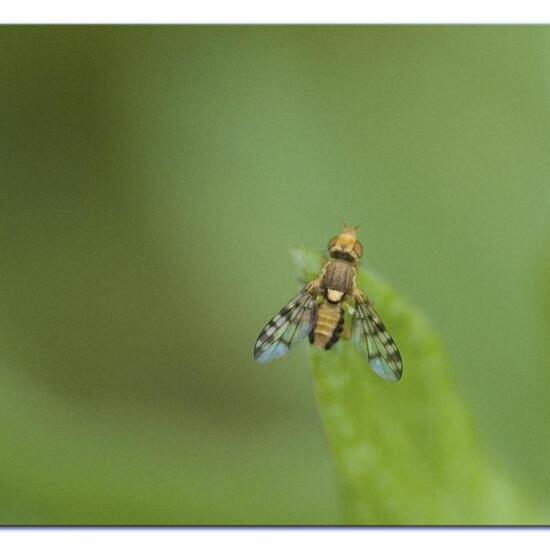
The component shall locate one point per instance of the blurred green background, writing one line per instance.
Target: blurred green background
(153, 182)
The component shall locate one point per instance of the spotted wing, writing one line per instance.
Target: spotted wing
(286, 329)
(371, 337)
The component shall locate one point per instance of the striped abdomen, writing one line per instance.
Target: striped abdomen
(328, 325)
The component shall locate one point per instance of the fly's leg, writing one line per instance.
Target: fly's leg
(357, 295)
(314, 286)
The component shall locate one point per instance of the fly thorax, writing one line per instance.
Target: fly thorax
(338, 280)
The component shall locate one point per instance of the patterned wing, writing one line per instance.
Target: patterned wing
(286, 329)
(371, 337)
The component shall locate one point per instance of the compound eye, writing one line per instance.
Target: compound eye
(332, 242)
(358, 249)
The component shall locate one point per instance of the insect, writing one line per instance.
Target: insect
(317, 311)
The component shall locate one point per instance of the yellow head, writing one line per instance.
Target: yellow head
(346, 246)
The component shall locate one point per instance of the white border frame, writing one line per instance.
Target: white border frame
(273, 539)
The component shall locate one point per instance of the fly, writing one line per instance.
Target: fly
(317, 311)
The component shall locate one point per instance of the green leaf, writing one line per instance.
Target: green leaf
(406, 452)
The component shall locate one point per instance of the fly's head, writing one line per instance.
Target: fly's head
(345, 246)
